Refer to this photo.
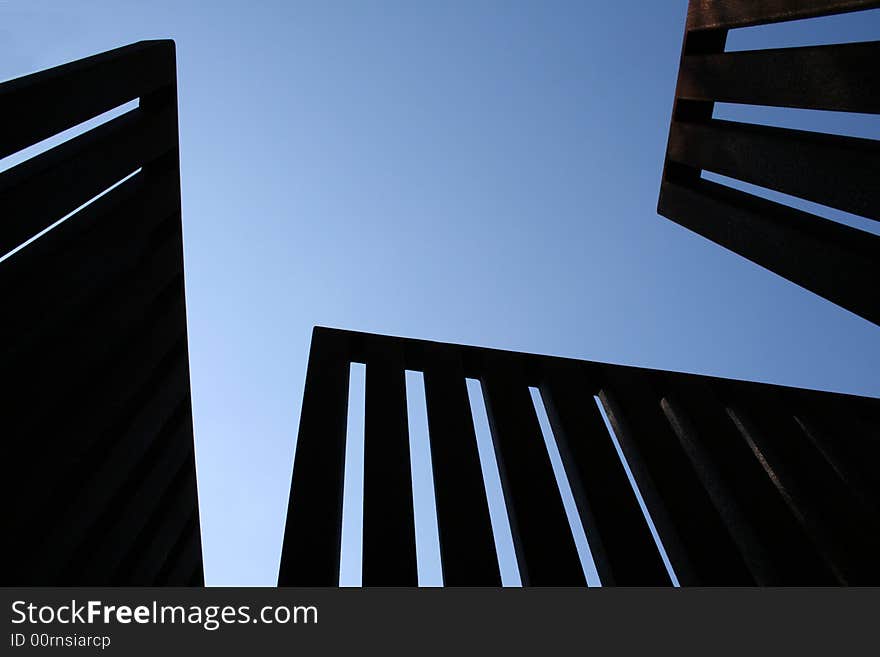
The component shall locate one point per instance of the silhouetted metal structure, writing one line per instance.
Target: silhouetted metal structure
(96, 415)
(747, 483)
(833, 260)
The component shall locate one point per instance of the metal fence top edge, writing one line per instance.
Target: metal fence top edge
(44, 75)
(354, 346)
(707, 15)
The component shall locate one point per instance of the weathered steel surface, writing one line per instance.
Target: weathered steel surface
(746, 483)
(835, 261)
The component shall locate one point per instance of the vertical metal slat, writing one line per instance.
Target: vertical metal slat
(312, 537)
(619, 538)
(389, 549)
(698, 544)
(545, 548)
(467, 546)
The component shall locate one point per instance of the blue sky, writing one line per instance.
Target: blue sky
(475, 172)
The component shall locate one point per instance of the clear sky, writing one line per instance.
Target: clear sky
(476, 172)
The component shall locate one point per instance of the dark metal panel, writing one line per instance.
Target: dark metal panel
(697, 542)
(127, 279)
(95, 339)
(841, 172)
(103, 537)
(772, 543)
(842, 77)
(153, 471)
(545, 548)
(94, 460)
(73, 436)
(847, 433)
(836, 261)
(67, 568)
(49, 281)
(197, 575)
(147, 361)
(184, 563)
(58, 263)
(29, 107)
(467, 545)
(138, 203)
(312, 536)
(73, 433)
(846, 534)
(693, 43)
(389, 547)
(40, 191)
(166, 523)
(714, 14)
(731, 503)
(50, 374)
(84, 302)
(620, 541)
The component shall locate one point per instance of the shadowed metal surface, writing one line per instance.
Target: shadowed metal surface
(835, 261)
(97, 418)
(746, 483)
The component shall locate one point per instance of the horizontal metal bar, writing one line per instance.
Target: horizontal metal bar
(531, 364)
(839, 263)
(41, 298)
(841, 172)
(726, 14)
(40, 105)
(843, 77)
(38, 192)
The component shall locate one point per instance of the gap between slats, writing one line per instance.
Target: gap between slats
(65, 135)
(849, 27)
(73, 213)
(832, 214)
(427, 541)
